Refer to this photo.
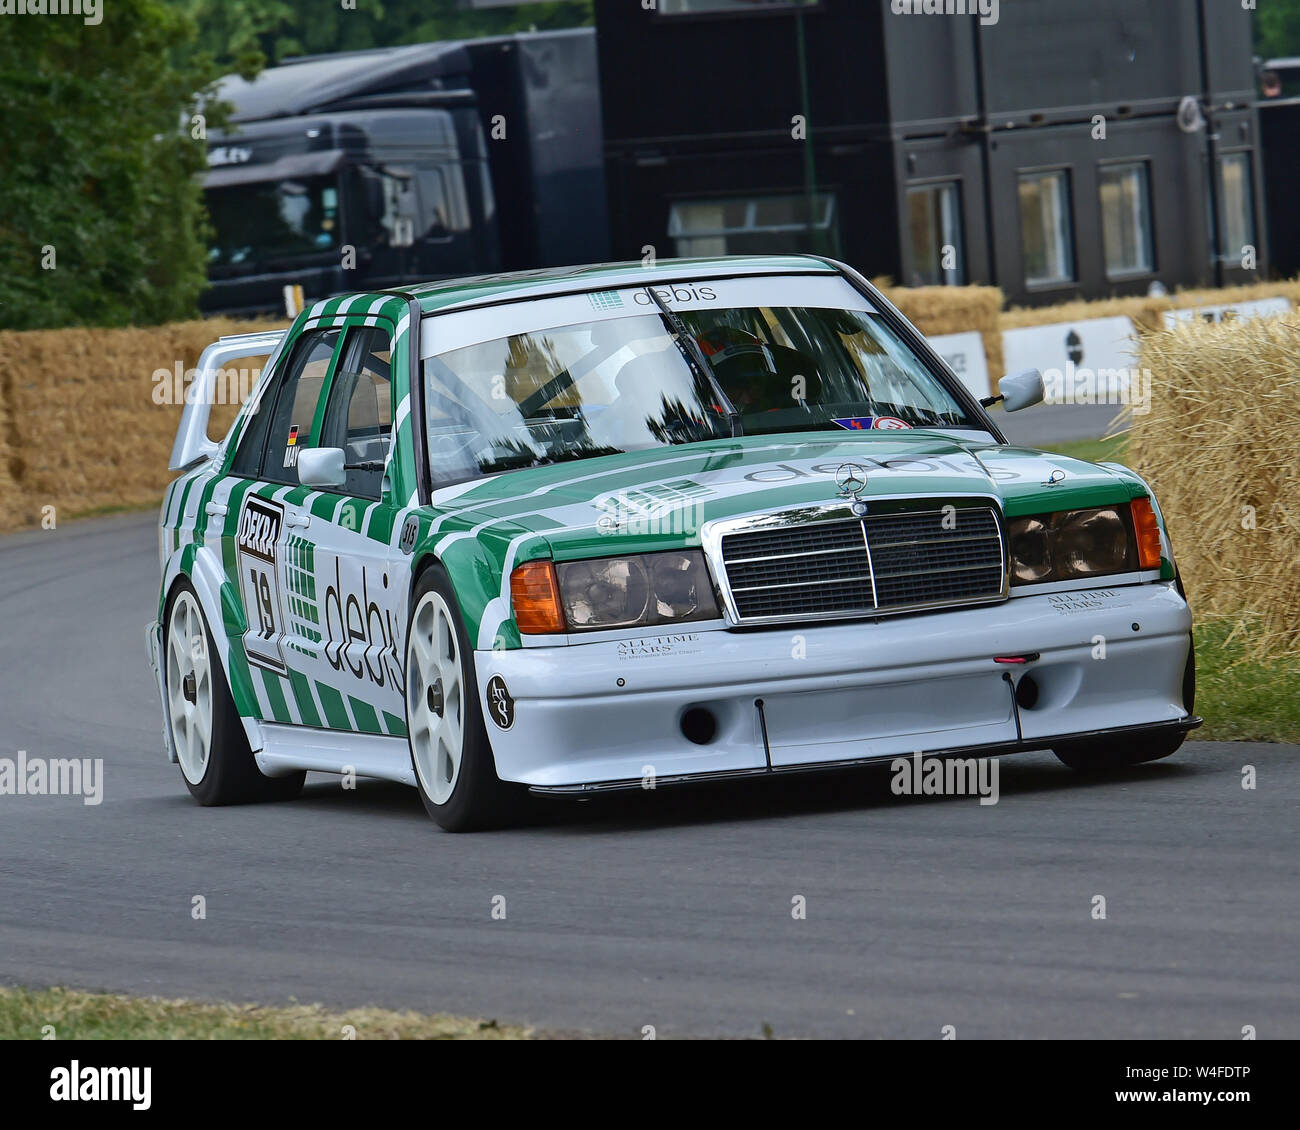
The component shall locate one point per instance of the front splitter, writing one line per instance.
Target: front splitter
(1002, 749)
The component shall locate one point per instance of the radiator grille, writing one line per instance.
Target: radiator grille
(881, 563)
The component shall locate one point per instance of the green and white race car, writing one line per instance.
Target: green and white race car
(613, 527)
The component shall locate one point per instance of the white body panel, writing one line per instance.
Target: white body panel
(290, 748)
(192, 445)
(843, 692)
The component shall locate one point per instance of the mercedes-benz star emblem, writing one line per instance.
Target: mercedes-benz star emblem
(851, 478)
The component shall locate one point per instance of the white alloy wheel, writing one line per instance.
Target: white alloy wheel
(189, 687)
(435, 699)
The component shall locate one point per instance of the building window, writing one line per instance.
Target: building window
(1126, 220)
(934, 220)
(1045, 228)
(684, 7)
(1236, 206)
(755, 225)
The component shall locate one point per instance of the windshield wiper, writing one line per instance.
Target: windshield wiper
(697, 361)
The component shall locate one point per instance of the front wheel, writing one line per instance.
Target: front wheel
(454, 768)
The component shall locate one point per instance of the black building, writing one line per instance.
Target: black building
(1279, 135)
(1055, 148)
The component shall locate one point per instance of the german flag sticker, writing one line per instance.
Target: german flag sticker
(293, 435)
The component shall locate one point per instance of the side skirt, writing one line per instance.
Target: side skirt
(291, 748)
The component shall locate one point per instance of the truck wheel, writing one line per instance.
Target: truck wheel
(454, 768)
(211, 745)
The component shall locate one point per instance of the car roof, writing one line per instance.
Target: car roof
(448, 294)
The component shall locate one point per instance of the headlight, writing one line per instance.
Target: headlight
(642, 590)
(1071, 544)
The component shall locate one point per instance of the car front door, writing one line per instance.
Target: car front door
(345, 580)
(263, 484)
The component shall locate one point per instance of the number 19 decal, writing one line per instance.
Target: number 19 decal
(259, 533)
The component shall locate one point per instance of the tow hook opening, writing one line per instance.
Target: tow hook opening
(1027, 693)
(699, 725)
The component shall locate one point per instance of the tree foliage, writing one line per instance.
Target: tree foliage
(101, 210)
(101, 219)
(1277, 29)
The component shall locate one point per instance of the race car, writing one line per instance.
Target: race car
(623, 527)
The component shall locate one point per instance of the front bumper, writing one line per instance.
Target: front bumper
(612, 713)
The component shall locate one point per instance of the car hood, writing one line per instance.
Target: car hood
(658, 499)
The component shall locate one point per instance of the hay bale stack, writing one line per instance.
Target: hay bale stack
(1147, 312)
(938, 310)
(85, 405)
(10, 499)
(1221, 447)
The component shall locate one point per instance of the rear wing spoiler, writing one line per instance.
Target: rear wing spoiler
(192, 445)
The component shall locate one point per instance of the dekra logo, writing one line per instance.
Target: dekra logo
(259, 530)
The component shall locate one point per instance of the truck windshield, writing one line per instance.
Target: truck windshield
(267, 220)
(630, 383)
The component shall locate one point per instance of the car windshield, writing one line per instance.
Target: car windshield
(272, 220)
(650, 379)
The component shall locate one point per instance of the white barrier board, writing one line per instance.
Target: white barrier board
(1096, 343)
(1259, 308)
(965, 355)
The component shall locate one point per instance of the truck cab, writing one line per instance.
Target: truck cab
(372, 169)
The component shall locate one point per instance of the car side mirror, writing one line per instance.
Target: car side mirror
(1023, 390)
(321, 467)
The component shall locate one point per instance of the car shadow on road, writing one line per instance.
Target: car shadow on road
(793, 795)
(776, 797)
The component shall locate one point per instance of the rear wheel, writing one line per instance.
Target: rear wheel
(454, 767)
(211, 745)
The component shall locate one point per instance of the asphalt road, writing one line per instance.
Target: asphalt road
(672, 910)
(1046, 424)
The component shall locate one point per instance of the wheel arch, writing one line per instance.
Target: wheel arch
(224, 612)
(479, 584)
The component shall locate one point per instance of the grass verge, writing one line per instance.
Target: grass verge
(1110, 450)
(77, 1015)
(1243, 701)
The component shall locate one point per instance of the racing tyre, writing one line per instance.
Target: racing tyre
(450, 753)
(211, 745)
(1094, 756)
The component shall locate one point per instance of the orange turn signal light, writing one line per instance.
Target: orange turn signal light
(1147, 529)
(535, 593)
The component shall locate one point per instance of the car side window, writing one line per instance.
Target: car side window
(294, 418)
(282, 422)
(359, 415)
